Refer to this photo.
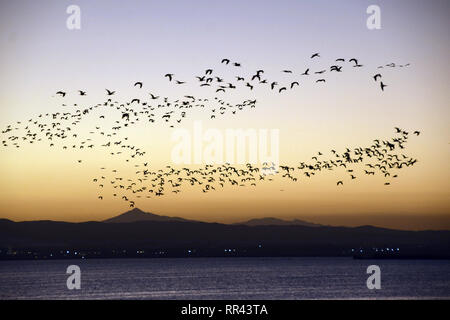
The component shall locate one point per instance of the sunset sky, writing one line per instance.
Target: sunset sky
(121, 42)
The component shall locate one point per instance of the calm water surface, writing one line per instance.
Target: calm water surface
(225, 278)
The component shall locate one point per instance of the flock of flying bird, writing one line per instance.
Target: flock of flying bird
(380, 158)
(59, 130)
(219, 84)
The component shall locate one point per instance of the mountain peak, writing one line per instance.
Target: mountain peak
(137, 214)
(135, 210)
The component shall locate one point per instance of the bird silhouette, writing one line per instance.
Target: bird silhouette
(294, 83)
(273, 84)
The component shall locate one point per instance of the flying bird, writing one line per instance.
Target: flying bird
(375, 77)
(336, 68)
(294, 83)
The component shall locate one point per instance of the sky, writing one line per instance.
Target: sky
(120, 43)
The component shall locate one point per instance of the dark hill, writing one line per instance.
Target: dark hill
(139, 215)
(277, 222)
(178, 237)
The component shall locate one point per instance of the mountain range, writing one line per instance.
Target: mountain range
(139, 215)
(139, 234)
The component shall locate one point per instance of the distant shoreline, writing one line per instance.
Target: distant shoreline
(155, 239)
(190, 256)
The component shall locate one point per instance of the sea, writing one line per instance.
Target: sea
(225, 278)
